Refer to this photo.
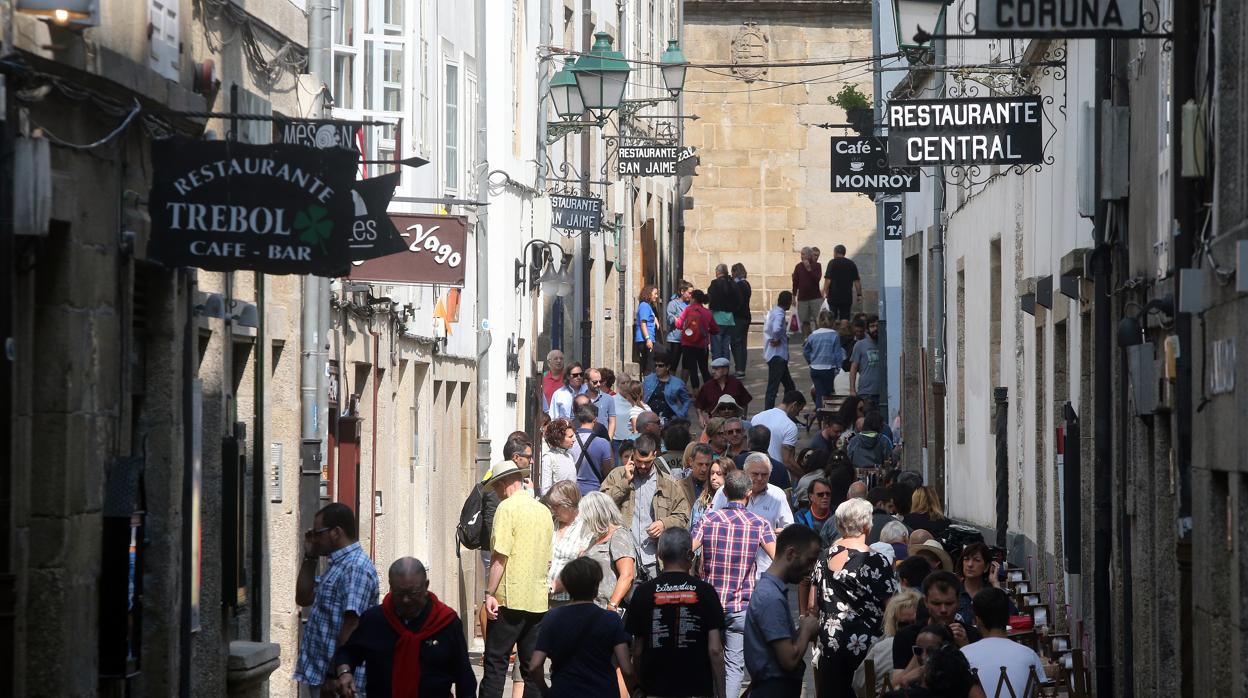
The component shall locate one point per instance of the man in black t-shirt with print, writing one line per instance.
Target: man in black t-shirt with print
(841, 284)
(677, 624)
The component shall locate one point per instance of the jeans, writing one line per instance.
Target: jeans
(721, 343)
(777, 373)
(643, 356)
(824, 381)
(740, 333)
(516, 629)
(696, 363)
(734, 652)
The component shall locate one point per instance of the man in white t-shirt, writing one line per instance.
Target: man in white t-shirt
(996, 651)
(784, 430)
(765, 499)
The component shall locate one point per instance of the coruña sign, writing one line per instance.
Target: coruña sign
(1071, 19)
(860, 164)
(576, 212)
(935, 132)
(434, 255)
(229, 206)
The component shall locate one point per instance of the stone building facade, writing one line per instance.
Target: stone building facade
(762, 191)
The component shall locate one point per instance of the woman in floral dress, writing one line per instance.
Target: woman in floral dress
(851, 586)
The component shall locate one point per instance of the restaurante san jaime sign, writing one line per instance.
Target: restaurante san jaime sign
(1004, 19)
(228, 206)
(576, 212)
(933, 132)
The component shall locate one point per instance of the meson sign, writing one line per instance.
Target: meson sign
(227, 206)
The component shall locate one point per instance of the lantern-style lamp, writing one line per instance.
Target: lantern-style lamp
(912, 16)
(565, 94)
(601, 77)
(674, 65)
(59, 11)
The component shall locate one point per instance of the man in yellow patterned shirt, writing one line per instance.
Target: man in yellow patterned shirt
(515, 593)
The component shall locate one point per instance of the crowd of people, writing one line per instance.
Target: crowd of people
(666, 543)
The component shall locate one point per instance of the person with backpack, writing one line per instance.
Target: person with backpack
(590, 453)
(869, 448)
(696, 326)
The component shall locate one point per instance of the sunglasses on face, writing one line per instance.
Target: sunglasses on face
(575, 375)
(660, 365)
(821, 494)
(734, 431)
(593, 382)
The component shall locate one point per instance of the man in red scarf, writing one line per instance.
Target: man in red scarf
(413, 644)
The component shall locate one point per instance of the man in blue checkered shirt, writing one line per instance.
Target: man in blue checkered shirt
(338, 597)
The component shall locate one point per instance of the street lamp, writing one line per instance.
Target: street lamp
(59, 11)
(565, 94)
(926, 16)
(601, 76)
(674, 65)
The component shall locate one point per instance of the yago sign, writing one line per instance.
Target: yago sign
(229, 206)
(435, 252)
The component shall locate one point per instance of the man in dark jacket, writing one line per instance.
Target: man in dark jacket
(432, 660)
(742, 317)
(725, 297)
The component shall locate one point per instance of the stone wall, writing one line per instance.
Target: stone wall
(762, 190)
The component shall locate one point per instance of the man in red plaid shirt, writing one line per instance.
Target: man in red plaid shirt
(730, 538)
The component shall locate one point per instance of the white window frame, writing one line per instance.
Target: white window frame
(164, 45)
(469, 138)
(445, 169)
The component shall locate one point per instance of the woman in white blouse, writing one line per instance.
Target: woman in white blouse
(557, 463)
(570, 537)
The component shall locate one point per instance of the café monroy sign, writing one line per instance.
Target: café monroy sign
(860, 164)
(229, 206)
(935, 132)
(1010, 19)
(576, 212)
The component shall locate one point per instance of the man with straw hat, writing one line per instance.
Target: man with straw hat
(515, 592)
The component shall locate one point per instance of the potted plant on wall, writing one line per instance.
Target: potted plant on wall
(857, 108)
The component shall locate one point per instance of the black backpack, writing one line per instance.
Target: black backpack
(470, 531)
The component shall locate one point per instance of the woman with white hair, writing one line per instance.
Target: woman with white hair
(851, 586)
(611, 545)
(894, 539)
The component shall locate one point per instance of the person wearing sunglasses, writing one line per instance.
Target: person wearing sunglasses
(938, 669)
(573, 385)
(901, 612)
(665, 393)
(604, 402)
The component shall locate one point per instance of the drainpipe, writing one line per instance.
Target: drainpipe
(8, 358)
(580, 265)
(881, 247)
(938, 299)
(313, 323)
(483, 256)
(1102, 415)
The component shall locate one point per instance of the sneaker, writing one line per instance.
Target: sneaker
(740, 374)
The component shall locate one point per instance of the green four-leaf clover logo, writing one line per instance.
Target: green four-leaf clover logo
(314, 226)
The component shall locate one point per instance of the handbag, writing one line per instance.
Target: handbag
(793, 325)
(724, 318)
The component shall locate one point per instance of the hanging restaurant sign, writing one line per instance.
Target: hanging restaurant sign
(860, 164)
(435, 252)
(372, 233)
(229, 206)
(651, 160)
(935, 132)
(317, 134)
(893, 228)
(1006, 19)
(576, 212)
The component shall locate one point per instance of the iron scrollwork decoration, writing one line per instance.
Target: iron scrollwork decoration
(973, 175)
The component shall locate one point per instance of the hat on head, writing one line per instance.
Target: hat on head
(721, 362)
(933, 549)
(726, 401)
(503, 469)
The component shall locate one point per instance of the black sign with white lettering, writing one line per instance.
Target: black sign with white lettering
(861, 165)
(317, 134)
(372, 232)
(1008, 19)
(651, 160)
(576, 212)
(893, 229)
(934, 132)
(227, 206)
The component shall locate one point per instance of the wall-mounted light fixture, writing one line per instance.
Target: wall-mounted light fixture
(61, 12)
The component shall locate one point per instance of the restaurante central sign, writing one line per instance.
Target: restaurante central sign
(228, 206)
(933, 132)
